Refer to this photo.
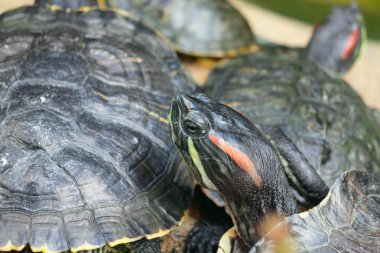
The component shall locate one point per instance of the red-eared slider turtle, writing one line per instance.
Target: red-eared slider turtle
(229, 155)
(276, 74)
(207, 28)
(281, 86)
(319, 112)
(85, 153)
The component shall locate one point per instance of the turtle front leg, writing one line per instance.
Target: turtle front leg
(204, 238)
(308, 188)
(214, 222)
(146, 246)
(140, 246)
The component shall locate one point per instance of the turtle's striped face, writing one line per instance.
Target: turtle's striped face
(337, 42)
(353, 31)
(212, 139)
(229, 155)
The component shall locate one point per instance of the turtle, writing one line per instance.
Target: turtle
(341, 36)
(205, 28)
(282, 87)
(86, 160)
(326, 119)
(228, 154)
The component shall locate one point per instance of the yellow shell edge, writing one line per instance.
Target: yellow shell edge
(44, 249)
(85, 246)
(9, 247)
(160, 233)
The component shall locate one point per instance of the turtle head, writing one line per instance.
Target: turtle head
(212, 139)
(229, 155)
(337, 42)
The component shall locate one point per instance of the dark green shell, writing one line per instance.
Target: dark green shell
(198, 27)
(347, 220)
(86, 157)
(376, 113)
(322, 114)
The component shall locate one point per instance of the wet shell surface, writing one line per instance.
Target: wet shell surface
(86, 157)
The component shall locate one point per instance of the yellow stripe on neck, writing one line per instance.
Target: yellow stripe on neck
(197, 162)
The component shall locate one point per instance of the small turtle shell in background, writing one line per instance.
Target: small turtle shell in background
(206, 28)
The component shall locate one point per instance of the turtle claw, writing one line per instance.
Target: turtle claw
(204, 238)
(213, 223)
(146, 246)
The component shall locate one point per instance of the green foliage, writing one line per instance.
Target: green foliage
(313, 11)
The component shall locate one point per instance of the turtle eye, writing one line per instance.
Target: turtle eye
(195, 124)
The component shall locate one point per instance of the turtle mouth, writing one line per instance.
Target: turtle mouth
(186, 103)
(177, 108)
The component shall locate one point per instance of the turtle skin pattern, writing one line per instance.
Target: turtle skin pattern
(86, 157)
(211, 28)
(319, 112)
(347, 220)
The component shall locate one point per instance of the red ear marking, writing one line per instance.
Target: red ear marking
(240, 158)
(351, 43)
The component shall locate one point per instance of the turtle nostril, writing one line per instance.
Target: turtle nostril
(185, 101)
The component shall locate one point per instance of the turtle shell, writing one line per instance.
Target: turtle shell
(320, 113)
(86, 157)
(212, 28)
(376, 113)
(347, 220)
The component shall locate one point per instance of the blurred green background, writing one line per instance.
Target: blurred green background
(313, 11)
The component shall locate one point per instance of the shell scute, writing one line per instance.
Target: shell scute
(97, 179)
(37, 129)
(14, 46)
(36, 183)
(82, 229)
(50, 227)
(366, 214)
(348, 219)
(55, 65)
(61, 97)
(14, 228)
(145, 216)
(113, 225)
(10, 154)
(84, 141)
